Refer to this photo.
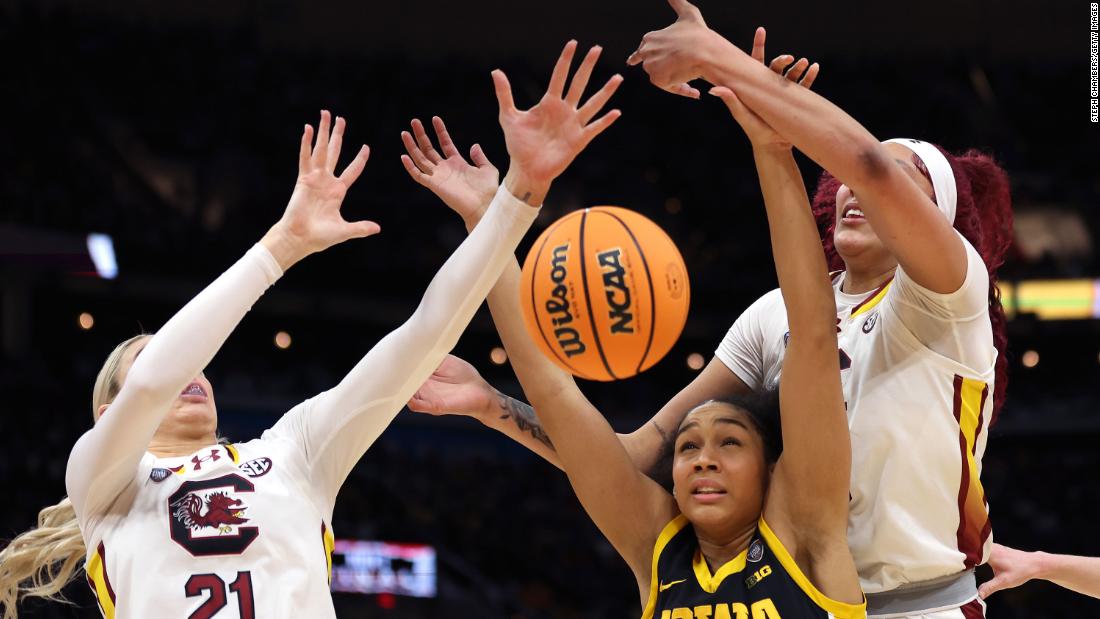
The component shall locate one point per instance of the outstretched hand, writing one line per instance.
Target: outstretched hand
(544, 140)
(466, 188)
(312, 221)
(455, 388)
(672, 57)
(759, 132)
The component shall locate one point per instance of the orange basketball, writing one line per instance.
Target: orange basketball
(604, 293)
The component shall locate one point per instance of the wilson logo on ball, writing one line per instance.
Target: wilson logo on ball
(569, 340)
(604, 293)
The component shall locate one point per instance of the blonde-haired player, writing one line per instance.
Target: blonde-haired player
(174, 524)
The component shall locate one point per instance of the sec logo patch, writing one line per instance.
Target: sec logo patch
(257, 467)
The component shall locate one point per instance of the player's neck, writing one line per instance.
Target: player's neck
(859, 281)
(172, 447)
(720, 551)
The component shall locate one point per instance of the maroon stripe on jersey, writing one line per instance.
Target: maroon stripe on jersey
(106, 580)
(973, 610)
(970, 539)
(871, 296)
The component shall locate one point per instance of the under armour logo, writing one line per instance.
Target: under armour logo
(213, 457)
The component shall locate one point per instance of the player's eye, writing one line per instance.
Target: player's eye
(688, 445)
(731, 441)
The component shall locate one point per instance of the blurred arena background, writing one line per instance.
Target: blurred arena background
(173, 128)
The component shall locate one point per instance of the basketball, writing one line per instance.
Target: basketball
(604, 293)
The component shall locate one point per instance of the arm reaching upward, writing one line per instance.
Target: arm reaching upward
(542, 141)
(807, 504)
(103, 460)
(901, 214)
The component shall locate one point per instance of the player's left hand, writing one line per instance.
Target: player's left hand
(671, 56)
(455, 388)
(1011, 568)
(543, 140)
(467, 189)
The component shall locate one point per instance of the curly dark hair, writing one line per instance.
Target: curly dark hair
(983, 216)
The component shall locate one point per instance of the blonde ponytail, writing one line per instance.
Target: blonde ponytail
(40, 562)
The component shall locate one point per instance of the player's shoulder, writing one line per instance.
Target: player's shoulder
(771, 300)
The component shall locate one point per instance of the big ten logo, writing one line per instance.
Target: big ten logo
(558, 305)
(760, 609)
(757, 576)
(616, 291)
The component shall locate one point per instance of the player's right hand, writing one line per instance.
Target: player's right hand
(312, 221)
(1011, 568)
(455, 388)
(758, 131)
(467, 189)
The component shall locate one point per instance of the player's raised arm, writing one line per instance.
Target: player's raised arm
(466, 186)
(104, 459)
(807, 504)
(599, 468)
(886, 187)
(542, 142)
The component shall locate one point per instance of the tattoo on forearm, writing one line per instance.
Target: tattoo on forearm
(524, 417)
(525, 197)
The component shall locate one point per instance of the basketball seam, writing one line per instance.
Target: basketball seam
(535, 308)
(588, 299)
(652, 298)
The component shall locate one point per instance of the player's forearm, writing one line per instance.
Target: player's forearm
(106, 455)
(818, 128)
(517, 420)
(1080, 574)
(347, 419)
(815, 432)
(796, 247)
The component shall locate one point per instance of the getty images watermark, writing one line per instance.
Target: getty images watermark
(1094, 113)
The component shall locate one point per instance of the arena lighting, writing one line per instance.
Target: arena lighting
(1052, 299)
(101, 249)
(695, 361)
(369, 567)
(86, 321)
(282, 340)
(1030, 359)
(497, 355)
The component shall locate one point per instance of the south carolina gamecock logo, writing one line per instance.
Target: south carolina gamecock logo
(209, 523)
(221, 512)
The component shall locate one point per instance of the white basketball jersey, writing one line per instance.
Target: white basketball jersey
(917, 371)
(231, 531)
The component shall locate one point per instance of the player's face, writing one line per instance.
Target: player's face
(719, 470)
(853, 237)
(193, 414)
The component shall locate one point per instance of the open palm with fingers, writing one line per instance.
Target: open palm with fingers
(466, 188)
(312, 221)
(759, 132)
(544, 140)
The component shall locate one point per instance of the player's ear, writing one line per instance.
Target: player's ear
(99, 411)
